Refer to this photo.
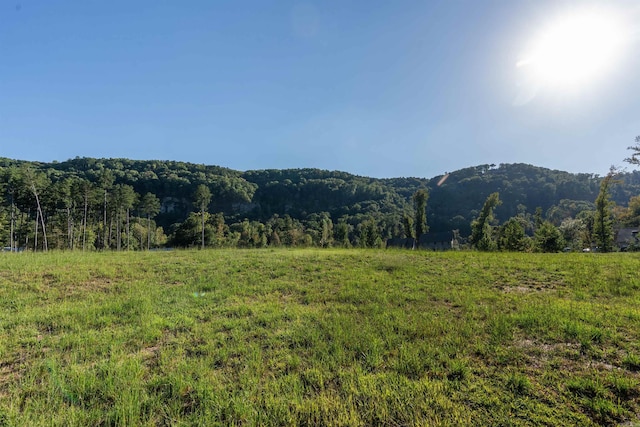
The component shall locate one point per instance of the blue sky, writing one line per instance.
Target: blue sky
(376, 88)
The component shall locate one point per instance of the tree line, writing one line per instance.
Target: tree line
(121, 204)
(590, 226)
(42, 212)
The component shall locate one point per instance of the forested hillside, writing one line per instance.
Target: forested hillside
(120, 203)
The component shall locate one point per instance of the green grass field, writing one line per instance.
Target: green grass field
(319, 337)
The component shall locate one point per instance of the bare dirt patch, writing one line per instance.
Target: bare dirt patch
(539, 354)
(527, 287)
(10, 371)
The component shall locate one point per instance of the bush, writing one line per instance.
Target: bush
(548, 238)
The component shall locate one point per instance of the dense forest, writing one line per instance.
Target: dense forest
(97, 204)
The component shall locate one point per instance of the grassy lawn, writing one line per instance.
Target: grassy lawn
(319, 337)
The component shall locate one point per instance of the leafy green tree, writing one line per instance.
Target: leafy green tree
(420, 212)
(251, 234)
(159, 238)
(548, 238)
(140, 233)
(63, 190)
(326, 232)
(573, 232)
(603, 220)
(11, 178)
(150, 207)
(124, 198)
(141, 239)
(219, 230)
(482, 228)
(320, 227)
(274, 239)
(631, 215)
(407, 225)
(369, 234)
(296, 236)
(341, 233)
(567, 209)
(588, 219)
(537, 218)
(290, 231)
(188, 233)
(512, 236)
(85, 189)
(202, 198)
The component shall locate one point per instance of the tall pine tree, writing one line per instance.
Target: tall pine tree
(420, 212)
(202, 198)
(603, 222)
(149, 206)
(482, 227)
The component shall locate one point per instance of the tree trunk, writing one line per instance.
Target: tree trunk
(13, 243)
(118, 234)
(44, 229)
(35, 236)
(110, 236)
(84, 221)
(104, 223)
(69, 228)
(202, 213)
(24, 221)
(128, 231)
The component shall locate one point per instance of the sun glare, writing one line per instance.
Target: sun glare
(575, 49)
